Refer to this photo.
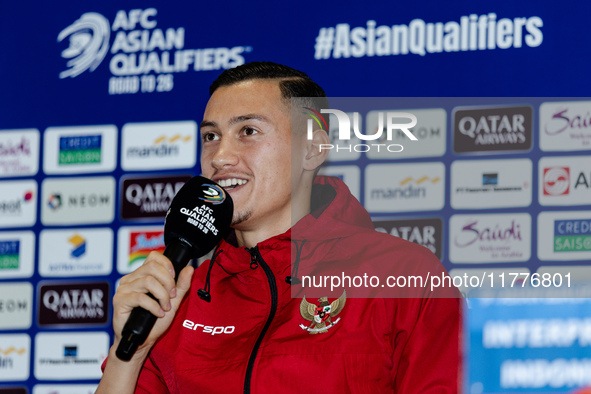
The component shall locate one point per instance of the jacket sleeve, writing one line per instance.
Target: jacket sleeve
(151, 380)
(430, 359)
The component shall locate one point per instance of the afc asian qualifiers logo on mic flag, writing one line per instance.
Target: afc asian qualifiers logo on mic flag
(213, 194)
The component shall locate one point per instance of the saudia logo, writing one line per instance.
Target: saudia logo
(213, 194)
(138, 50)
(345, 129)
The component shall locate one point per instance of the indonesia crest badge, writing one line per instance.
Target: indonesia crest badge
(321, 315)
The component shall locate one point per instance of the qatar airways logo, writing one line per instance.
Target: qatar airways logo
(390, 119)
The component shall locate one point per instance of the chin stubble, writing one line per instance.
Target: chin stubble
(240, 217)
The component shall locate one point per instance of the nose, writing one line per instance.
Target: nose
(226, 154)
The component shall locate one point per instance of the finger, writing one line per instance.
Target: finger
(183, 285)
(156, 265)
(127, 302)
(152, 285)
(162, 260)
(149, 304)
(156, 270)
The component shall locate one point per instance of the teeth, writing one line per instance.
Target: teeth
(232, 182)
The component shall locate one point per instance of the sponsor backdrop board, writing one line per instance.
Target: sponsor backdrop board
(100, 127)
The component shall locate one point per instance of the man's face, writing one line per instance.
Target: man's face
(246, 149)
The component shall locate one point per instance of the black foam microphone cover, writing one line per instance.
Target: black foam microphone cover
(198, 218)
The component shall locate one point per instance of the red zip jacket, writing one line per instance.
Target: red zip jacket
(254, 337)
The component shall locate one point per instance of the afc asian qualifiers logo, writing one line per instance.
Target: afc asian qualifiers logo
(556, 181)
(321, 315)
(213, 194)
(89, 43)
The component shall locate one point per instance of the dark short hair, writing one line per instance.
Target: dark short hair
(292, 83)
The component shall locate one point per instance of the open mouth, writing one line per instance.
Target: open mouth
(230, 184)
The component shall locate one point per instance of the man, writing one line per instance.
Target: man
(253, 336)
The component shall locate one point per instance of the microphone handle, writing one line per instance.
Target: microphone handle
(140, 321)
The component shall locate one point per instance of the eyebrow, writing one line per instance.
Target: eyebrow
(237, 119)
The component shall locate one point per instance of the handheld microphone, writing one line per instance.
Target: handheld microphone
(198, 218)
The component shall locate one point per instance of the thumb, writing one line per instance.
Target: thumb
(183, 284)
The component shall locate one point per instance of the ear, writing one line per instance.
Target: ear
(316, 150)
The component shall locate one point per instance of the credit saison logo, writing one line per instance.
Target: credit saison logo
(74, 303)
(149, 197)
(345, 127)
(471, 33)
(572, 235)
(9, 254)
(144, 56)
(80, 149)
(492, 129)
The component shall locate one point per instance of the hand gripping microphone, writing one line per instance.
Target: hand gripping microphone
(198, 218)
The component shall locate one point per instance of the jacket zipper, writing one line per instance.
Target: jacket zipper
(256, 257)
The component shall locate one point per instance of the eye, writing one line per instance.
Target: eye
(249, 131)
(208, 137)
